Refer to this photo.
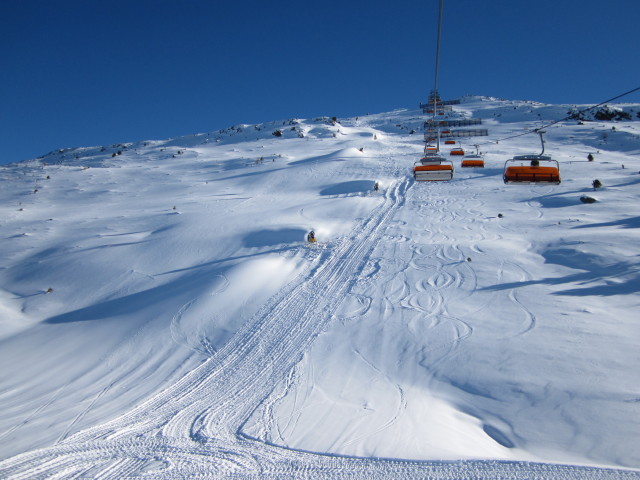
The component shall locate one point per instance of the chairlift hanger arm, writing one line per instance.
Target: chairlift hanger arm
(541, 132)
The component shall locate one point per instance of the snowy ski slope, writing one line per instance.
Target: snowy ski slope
(161, 315)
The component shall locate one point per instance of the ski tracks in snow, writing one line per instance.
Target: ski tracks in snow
(443, 272)
(529, 319)
(192, 429)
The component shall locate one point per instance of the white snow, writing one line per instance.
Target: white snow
(162, 316)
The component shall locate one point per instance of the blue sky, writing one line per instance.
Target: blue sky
(97, 72)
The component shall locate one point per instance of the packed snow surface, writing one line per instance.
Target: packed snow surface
(162, 316)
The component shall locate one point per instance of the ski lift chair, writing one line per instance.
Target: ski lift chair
(472, 161)
(432, 168)
(532, 168)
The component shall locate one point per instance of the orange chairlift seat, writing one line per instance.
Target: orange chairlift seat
(473, 161)
(457, 151)
(432, 168)
(532, 168)
(476, 161)
(449, 142)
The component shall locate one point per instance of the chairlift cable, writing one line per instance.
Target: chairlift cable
(435, 83)
(579, 112)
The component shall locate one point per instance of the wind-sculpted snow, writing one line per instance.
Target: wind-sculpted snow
(462, 329)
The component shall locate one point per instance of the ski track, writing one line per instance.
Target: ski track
(83, 412)
(530, 319)
(193, 429)
(35, 412)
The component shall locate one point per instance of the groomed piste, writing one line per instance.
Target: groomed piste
(163, 316)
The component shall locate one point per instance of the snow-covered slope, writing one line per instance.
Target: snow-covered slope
(161, 315)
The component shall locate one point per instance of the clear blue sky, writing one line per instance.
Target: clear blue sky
(96, 72)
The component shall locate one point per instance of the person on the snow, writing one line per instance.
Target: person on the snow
(311, 237)
(375, 187)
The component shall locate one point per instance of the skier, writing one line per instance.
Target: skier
(375, 187)
(311, 237)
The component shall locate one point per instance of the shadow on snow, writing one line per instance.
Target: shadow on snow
(196, 280)
(345, 188)
(626, 275)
